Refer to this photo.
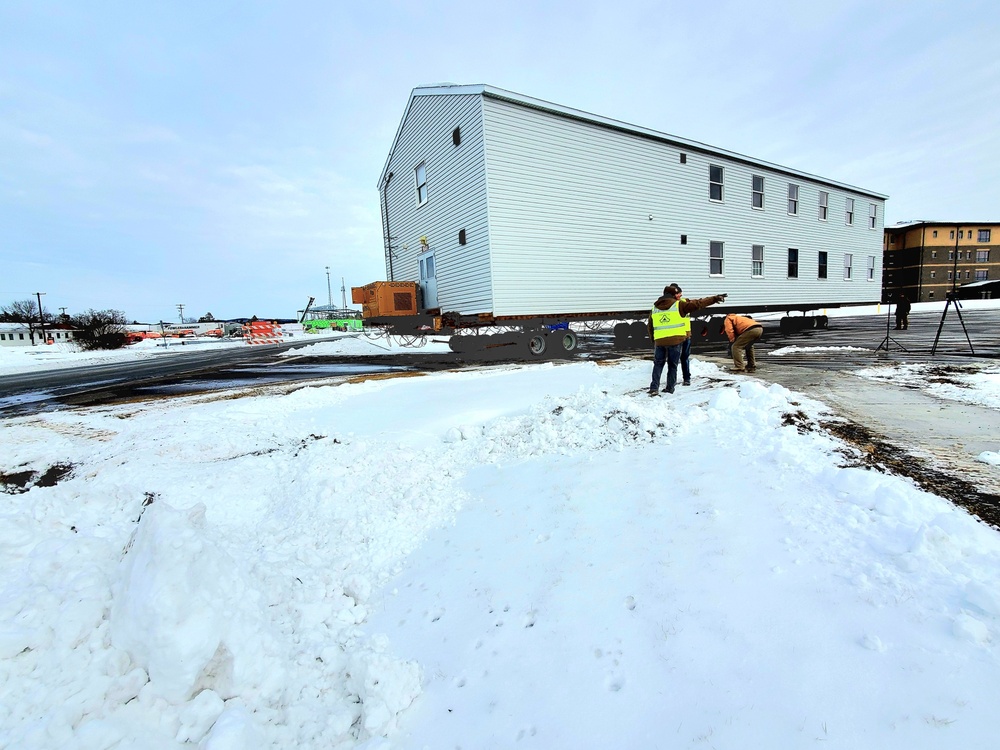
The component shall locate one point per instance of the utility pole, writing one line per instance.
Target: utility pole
(180, 310)
(41, 319)
(343, 291)
(329, 293)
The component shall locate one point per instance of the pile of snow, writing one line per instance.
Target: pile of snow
(541, 556)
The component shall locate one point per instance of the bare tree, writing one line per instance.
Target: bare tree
(23, 311)
(101, 329)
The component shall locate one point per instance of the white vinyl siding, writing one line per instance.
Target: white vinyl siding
(456, 182)
(564, 215)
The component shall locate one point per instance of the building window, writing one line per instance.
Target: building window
(984, 235)
(951, 255)
(793, 199)
(824, 207)
(872, 216)
(757, 261)
(821, 272)
(684, 239)
(934, 234)
(456, 136)
(420, 174)
(684, 158)
(966, 274)
(757, 191)
(793, 263)
(849, 212)
(930, 294)
(982, 256)
(949, 275)
(715, 257)
(871, 268)
(715, 183)
(21, 336)
(933, 253)
(961, 234)
(933, 274)
(951, 234)
(982, 274)
(968, 255)
(848, 261)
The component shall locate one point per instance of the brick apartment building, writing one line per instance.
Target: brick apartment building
(923, 259)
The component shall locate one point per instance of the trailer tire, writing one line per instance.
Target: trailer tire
(536, 344)
(569, 341)
(822, 321)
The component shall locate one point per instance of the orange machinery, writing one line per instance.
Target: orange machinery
(386, 298)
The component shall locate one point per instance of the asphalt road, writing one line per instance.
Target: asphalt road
(218, 368)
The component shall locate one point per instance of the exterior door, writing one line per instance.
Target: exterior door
(428, 280)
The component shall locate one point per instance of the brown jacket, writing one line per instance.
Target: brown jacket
(688, 306)
(735, 325)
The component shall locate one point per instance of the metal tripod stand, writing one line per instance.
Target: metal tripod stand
(952, 299)
(888, 339)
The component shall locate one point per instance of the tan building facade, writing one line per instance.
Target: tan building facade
(926, 260)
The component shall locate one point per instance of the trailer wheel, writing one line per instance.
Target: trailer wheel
(569, 341)
(536, 344)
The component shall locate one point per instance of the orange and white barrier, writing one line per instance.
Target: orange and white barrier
(262, 332)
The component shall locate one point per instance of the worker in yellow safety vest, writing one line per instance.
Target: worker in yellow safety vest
(669, 327)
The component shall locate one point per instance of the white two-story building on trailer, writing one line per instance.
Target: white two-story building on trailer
(504, 204)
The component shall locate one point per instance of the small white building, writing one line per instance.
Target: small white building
(499, 203)
(21, 334)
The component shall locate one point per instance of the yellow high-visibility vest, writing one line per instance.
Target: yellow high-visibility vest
(686, 319)
(667, 323)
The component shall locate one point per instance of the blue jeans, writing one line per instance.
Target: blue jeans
(671, 356)
(686, 360)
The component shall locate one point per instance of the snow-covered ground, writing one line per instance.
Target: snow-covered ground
(536, 556)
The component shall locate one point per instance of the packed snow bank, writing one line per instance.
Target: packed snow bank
(538, 555)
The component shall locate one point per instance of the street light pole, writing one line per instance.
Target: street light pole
(329, 291)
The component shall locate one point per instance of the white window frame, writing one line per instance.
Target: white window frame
(757, 195)
(849, 212)
(790, 262)
(420, 182)
(872, 215)
(871, 268)
(822, 264)
(793, 199)
(716, 184)
(824, 205)
(848, 266)
(757, 261)
(714, 259)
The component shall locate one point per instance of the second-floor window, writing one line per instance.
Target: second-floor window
(421, 178)
(757, 191)
(848, 262)
(757, 261)
(824, 205)
(872, 215)
(849, 212)
(715, 258)
(793, 199)
(715, 175)
(982, 256)
(821, 272)
(793, 263)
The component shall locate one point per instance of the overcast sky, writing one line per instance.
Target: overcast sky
(220, 154)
